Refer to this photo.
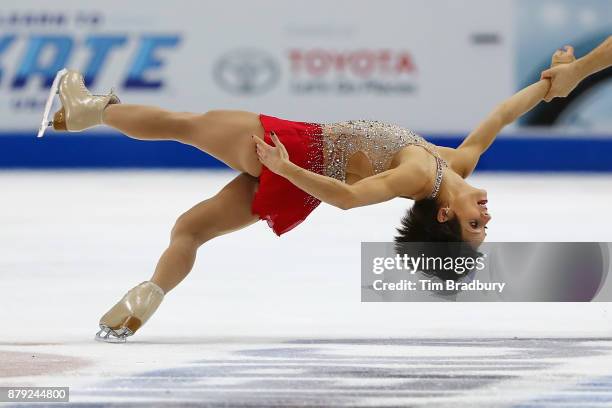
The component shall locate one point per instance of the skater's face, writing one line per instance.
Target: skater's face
(470, 209)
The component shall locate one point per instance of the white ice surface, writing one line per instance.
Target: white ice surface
(72, 243)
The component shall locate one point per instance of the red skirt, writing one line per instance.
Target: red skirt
(277, 200)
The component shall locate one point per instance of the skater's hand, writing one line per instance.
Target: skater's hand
(562, 56)
(273, 157)
(563, 74)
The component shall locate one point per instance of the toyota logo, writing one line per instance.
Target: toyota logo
(249, 72)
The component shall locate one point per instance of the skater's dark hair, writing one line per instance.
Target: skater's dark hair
(430, 238)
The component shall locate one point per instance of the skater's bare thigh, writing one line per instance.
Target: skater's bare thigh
(229, 210)
(226, 135)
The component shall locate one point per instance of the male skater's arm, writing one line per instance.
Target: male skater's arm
(565, 78)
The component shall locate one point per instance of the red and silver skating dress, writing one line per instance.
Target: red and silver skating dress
(325, 149)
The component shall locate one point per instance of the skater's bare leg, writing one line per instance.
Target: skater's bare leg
(227, 211)
(224, 134)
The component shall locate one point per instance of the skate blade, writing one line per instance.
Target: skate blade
(108, 335)
(45, 120)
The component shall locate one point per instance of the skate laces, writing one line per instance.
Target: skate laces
(88, 92)
(83, 87)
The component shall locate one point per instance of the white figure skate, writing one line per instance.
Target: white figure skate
(80, 108)
(130, 313)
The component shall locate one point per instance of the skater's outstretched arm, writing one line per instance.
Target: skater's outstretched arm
(466, 156)
(479, 140)
(406, 180)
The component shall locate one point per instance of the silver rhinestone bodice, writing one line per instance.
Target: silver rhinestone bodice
(377, 140)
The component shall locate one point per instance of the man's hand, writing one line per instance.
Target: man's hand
(563, 74)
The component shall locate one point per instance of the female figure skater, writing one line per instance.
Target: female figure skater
(287, 168)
